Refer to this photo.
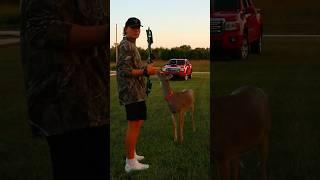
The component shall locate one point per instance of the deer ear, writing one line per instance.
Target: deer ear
(169, 76)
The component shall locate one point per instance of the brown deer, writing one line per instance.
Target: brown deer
(179, 103)
(241, 123)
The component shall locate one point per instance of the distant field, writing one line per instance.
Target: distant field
(290, 16)
(199, 65)
(288, 71)
(9, 15)
(9, 10)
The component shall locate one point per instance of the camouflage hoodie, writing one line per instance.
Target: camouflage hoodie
(131, 89)
(66, 89)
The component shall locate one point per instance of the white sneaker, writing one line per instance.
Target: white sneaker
(134, 165)
(138, 157)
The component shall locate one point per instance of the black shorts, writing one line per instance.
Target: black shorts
(136, 111)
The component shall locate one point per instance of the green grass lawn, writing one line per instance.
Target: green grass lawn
(288, 71)
(21, 156)
(168, 160)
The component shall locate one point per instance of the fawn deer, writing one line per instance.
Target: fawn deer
(241, 122)
(179, 103)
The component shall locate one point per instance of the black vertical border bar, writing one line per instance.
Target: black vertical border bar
(211, 170)
(106, 8)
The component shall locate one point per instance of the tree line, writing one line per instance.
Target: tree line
(184, 51)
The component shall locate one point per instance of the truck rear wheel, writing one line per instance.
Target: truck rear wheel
(256, 46)
(243, 52)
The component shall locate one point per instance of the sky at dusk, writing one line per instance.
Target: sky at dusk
(173, 22)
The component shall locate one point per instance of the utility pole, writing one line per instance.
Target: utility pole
(116, 44)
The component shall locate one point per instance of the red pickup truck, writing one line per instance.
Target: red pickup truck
(179, 68)
(235, 26)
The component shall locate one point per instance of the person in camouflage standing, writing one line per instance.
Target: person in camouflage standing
(66, 68)
(132, 90)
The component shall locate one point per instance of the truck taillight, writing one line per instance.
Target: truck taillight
(232, 25)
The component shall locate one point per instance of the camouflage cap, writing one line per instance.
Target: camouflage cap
(133, 22)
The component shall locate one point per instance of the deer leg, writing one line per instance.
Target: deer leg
(263, 150)
(192, 118)
(181, 123)
(174, 127)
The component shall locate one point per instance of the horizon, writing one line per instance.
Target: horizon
(192, 48)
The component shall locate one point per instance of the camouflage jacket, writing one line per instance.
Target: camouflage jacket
(131, 89)
(66, 89)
